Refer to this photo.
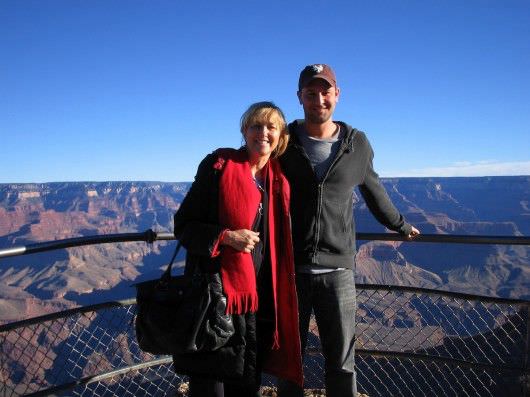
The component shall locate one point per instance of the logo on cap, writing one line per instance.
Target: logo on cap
(316, 71)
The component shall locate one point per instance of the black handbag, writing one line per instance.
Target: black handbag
(182, 314)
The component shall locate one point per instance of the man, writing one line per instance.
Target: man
(324, 162)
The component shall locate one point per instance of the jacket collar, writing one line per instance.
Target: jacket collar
(347, 142)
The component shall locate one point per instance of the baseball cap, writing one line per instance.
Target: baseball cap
(316, 71)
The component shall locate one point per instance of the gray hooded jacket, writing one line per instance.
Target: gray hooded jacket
(322, 211)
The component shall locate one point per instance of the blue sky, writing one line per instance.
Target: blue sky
(143, 90)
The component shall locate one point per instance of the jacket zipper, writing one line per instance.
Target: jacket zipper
(320, 190)
(317, 223)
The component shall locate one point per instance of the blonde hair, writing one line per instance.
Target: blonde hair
(265, 112)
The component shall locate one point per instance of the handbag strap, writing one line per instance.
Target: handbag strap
(167, 273)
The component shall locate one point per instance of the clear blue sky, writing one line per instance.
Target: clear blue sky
(142, 90)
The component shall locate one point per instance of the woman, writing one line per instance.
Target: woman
(235, 220)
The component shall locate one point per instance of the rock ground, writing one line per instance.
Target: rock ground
(267, 391)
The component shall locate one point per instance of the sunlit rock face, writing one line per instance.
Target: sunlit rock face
(40, 283)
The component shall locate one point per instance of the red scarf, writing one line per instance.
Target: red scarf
(239, 199)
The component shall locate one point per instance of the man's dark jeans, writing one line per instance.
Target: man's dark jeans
(332, 297)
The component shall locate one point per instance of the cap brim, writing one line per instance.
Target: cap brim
(331, 82)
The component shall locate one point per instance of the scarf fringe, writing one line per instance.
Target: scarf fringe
(241, 302)
(275, 340)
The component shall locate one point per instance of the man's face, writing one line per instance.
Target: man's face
(318, 99)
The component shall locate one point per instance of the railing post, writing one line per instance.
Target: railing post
(525, 376)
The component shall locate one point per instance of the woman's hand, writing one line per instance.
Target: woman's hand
(241, 240)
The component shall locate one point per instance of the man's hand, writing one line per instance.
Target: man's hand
(241, 240)
(413, 233)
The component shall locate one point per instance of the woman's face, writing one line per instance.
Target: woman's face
(262, 137)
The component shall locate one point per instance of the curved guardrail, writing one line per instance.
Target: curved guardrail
(410, 342)
(149, 236)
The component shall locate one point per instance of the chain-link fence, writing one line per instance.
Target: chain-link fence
(410, 342)
(416, 342)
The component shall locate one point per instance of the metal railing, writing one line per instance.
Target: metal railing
(410, 342)
(150, 236)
